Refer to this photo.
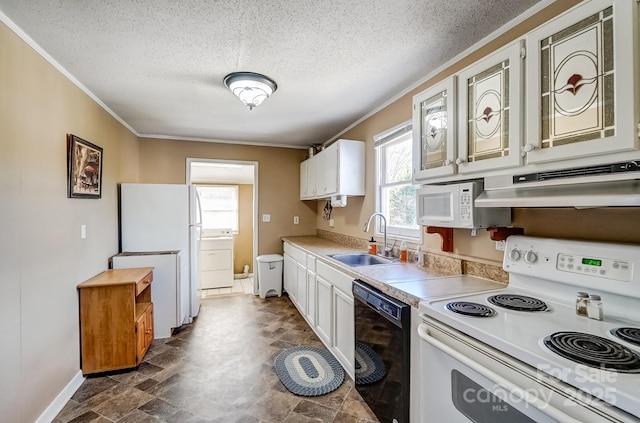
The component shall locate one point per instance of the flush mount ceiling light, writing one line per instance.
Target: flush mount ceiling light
(251, 88)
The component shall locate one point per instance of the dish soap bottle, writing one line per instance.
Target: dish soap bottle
(373, 247)
(403, 252)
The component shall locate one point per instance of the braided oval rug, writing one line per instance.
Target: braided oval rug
(309, 371)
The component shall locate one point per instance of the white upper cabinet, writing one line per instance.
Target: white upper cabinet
(471, 122)
(337, 170)
(308, 178)
(327, 171)
(570, 99)
(304, 166)
(582, 87)
(434, 148)
(490, 111)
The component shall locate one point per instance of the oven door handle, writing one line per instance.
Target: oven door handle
(495, 378)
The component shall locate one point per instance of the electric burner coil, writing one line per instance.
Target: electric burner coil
(631, 335)
(594, 351)
(518, 302)
(470, 309)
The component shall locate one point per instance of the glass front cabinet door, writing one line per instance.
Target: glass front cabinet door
(582, 70)
(490, 111)
(434, 130)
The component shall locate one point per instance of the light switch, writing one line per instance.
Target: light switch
(83, 231)
(266, 218)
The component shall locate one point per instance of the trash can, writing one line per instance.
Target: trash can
(270, 274)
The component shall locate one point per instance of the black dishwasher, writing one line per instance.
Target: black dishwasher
(382, 331)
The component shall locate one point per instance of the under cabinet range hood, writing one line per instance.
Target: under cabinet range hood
(611, 185)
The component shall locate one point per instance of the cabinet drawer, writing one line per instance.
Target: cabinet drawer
(296, 254)
(338, 279)
(215, 260)
(143, 283)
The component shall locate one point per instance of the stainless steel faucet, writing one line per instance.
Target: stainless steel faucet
(385, 250)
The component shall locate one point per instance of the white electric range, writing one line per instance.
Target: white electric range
(522, 354)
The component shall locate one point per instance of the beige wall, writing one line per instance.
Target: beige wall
(603, 225)
(164, 161)
(42, 257)
(243, 241)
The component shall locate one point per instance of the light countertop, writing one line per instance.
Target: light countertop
(403, 281)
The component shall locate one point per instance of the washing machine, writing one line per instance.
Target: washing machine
(216, 259)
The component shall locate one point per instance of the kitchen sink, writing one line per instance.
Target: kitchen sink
(363, 259)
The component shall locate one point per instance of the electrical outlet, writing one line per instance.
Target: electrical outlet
(296, 220)
(83, 231)
(500, 245)
(331, 223)
(266, 218)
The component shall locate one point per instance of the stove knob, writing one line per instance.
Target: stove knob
(530, 257)
(514, 255)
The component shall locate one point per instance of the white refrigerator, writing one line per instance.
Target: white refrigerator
(163, 217)
(167, 288)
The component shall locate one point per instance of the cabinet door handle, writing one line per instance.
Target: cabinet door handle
(528, 148)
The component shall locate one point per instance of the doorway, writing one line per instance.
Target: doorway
(244, 176)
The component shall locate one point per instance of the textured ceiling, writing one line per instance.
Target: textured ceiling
(159, 64)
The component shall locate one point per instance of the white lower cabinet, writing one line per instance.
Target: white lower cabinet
(311, 290)
(295, 275)
(290, 277)
(340, 321)
(324, 310)
(301, 291)
(343, 329)
(322, 295)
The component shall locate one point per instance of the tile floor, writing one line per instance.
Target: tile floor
(240, 286)
(218, 369)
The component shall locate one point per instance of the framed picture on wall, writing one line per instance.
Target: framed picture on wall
(84, 167)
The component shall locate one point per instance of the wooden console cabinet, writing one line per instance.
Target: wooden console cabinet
(116, 319)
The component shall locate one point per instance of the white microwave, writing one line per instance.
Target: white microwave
(452, 206)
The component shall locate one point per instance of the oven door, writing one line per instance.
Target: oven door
(463, 380)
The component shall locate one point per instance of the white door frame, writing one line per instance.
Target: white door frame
(255, 204)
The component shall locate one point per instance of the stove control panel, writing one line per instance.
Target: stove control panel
(608, 268)
(581, 263)
(616, 269)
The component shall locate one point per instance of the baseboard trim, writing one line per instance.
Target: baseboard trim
(63, 397)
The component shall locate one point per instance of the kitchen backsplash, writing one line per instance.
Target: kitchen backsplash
(453, 265)
(487, 271)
